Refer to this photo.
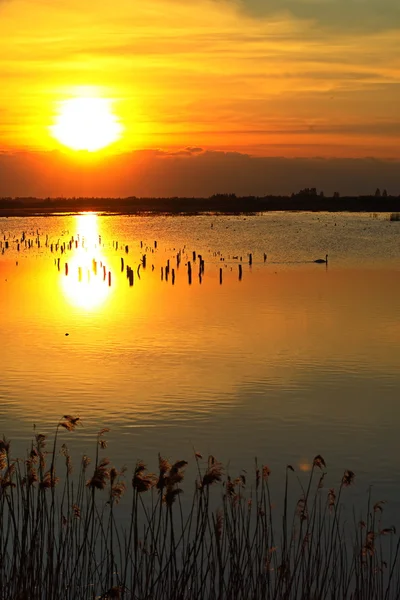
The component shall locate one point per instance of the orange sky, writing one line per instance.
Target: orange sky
(222, 75)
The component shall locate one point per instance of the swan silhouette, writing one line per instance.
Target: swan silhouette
(321, 260)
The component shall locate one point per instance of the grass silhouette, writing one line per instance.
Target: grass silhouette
(63, 536)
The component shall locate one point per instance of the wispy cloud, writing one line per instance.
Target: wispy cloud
(335, 15)
(239, 75)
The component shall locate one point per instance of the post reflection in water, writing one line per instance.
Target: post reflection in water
(84, 282)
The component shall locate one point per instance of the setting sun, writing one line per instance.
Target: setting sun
(86, 124)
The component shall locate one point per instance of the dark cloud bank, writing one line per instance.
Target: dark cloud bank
(190, 172)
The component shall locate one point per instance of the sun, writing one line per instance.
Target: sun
(86, 123)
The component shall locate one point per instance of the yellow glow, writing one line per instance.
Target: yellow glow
(86, 123)
(85, 285)
(203, 73)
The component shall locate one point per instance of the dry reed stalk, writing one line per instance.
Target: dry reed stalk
(67, 541)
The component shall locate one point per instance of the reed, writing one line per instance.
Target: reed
(63, 534)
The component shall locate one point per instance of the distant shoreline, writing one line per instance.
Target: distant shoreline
(220, 204)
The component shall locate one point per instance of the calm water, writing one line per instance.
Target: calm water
(294, 360)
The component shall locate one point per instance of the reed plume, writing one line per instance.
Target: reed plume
(100, 476)
(225, 541)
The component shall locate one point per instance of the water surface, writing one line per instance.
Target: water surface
(293, 360)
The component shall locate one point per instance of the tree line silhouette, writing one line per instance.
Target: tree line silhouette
(307, 199)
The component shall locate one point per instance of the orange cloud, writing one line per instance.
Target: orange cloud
(203, 72)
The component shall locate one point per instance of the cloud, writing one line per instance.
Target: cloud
(157, 173)
(337, 15)
(194, 150)
(228, 74)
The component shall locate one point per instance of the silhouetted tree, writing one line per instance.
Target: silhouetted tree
(307, 192)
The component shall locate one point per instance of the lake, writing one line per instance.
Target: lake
(292, 360)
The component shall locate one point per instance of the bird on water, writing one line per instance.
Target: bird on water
(321, 260)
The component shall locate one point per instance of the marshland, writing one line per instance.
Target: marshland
(261, 352)
(62, 535)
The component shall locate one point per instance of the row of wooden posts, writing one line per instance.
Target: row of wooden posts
(165, 271)
(54, 247)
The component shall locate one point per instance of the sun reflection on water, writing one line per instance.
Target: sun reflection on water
(85, 281)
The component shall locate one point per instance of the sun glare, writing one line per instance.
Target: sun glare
(86, 123)
(86, 286)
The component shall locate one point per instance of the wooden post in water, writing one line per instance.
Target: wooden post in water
(58, 263)
(189, 266)
(250, 259)
(194, 256)
(66, 269)
(155, 244)
(122, 265)
(162, 273)
(240, 272)
(173, 276)
(220, 276)
(104, 272)
(265, 257)
(201, 266)
(79, 273)
(126, 249)
(109, 278)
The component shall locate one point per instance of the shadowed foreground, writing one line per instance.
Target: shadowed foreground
(65, 538)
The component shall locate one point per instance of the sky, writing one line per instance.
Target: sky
(211, 94)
